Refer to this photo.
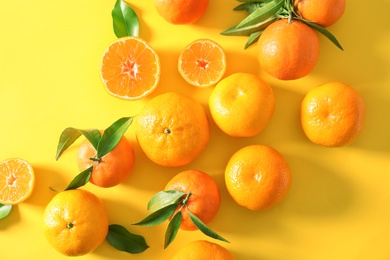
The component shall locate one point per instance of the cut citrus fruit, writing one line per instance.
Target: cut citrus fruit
(16, 181)
(130, 68)
(202, 63)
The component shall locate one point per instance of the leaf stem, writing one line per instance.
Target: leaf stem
(186, 198)
(96, 159)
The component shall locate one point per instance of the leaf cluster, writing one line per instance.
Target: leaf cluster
(169, 204)
(261, 13)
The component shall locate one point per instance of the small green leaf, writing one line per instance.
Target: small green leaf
(120, 238)
(5, 209)
(324, 31)
(81, 179)
(172, 229)
(205, 229)
(125, 20)
(112, 135)
(254, 1)
(249, 7)
(159, 216)
(253, 38)
(261, 14)
(164, 198)
(70, 135)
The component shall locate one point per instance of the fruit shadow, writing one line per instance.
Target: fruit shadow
(13, 218)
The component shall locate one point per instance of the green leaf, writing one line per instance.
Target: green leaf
(159, 216)
(248, 30)
(81, 179)
(5, 209)
(125, 20)
(249, 7)
(112, 135)
(261, 14)
(172, 229)
(205, 229)
(253, 38)
(254, 1)
(164, 198)
(120, 238)
(324, 31)
(70, 135)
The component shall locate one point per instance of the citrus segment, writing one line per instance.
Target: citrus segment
(75, 222)
(130, 68)
(204, 200)
(202, 63)
(288, 50)
(242, 104)
(332, 114)
(203, 250)
(257, 177)
(172, 129)
(16, 181)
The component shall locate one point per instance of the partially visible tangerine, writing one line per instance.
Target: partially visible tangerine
(202, 63)
(322, 12)
(181, 11)
(130, 68)
(203, 250)
(17, 181)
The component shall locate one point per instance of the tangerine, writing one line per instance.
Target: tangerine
(257, 177)
(204, 200)
(130, 68)
(75, 222)
(202, 63)
(332, 114)
(172, 129)
(110, 170)
(203, 250)
(17, 180)
(322, 12)
(242, 104)
(181, 11)
(288, 50)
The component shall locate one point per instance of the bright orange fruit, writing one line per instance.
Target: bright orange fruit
(242, 104)
(257, 177)
(113, 168)
(332, 114)
(322, 12)
(130, 68)
(204, 200)
(202, 63)
(75, 222)
(17, 181)
(172, 129)
(181, 11)
(288, 50)
(203, 250)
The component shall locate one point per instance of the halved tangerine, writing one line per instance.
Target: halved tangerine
(202, 63)
(16, 181)
(130, 68)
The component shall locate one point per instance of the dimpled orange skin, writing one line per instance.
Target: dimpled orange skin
(75, 222)
(205, 198)
(288, 51)
(242, 104)
(181, 11)
(114, 168)
(172, 129)
(203, 250)
(257, 177)
(322, 12)
(332, 114)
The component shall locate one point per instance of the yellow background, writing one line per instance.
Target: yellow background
(338, 205)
